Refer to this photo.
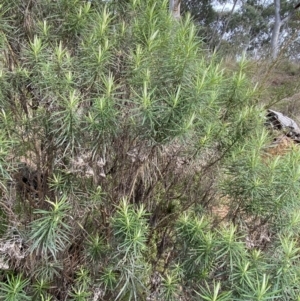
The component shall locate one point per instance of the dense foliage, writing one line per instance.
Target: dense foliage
(121, 137)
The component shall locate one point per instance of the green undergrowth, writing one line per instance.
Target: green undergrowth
(121, 138)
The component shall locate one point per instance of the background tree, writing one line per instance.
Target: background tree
(252, 26)
(204, 14)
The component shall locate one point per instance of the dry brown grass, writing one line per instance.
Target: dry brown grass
(280, 147)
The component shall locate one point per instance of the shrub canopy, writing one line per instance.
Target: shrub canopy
(120, 136)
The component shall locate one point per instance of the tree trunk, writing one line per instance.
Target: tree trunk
(175, 8)
(276, 30)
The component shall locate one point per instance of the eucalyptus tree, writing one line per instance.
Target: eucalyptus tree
(254, 26)
(264, 26)
(282, 15)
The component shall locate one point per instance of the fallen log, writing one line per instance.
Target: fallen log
(288, 126)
